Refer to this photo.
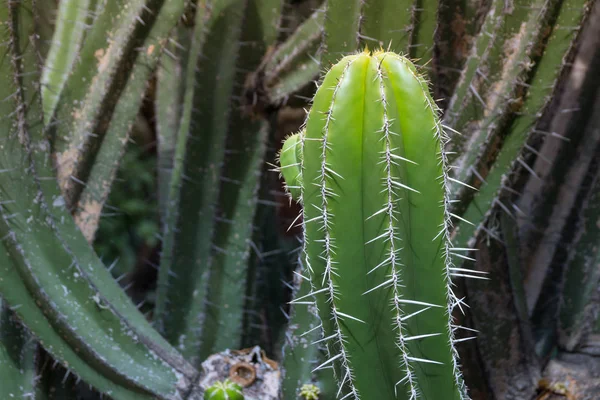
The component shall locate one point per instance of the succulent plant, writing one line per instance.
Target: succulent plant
(225, 390)
(376, 291)
(374, 129)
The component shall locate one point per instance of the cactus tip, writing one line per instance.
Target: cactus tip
(224, 390)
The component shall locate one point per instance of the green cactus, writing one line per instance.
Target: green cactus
(50, 277)
(295, 62)
(310, 392)
(225, 390)
(17, 356)
(583, 274)
(194, 183)
(110, 152)
(68, 36)
(558, 46)
(301, 352)
(369, 168)
(215, 176)
(379, 262)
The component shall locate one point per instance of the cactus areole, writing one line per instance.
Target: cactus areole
(370, 171)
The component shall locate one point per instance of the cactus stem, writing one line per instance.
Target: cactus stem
(329, 251)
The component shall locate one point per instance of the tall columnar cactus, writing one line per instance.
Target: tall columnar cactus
(372, 178)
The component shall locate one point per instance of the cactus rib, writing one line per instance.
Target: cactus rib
(296, 61)
(341, 30)
(424, 24)
(17, 356)
(387, 24)
(238, 198)
(300, 352)
(70, 26)
(169, 99)
(582, 276)
(199, 154)
(558, 49)
(358, 140)
(87, 101)
(105, 165)
(229, 267)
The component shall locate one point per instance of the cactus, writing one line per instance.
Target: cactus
(102, 173)
(169, 100)
(582, 275)
(379, 265)
(342, 24)
(226, 176)
(475, 206)
(301, 351)
(67, 299)
(194, 183)
(17, 356)
(376, 212)
(88, 97)
(310, 392)
(238, 198)
(69, 33)
(225, 390)
(293, 63)
(388, 24)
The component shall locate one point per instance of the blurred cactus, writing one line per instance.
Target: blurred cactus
(17, 356)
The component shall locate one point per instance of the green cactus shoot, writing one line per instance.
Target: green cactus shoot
(370, 170)
(226, 390)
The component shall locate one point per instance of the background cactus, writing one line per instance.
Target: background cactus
(91, 87)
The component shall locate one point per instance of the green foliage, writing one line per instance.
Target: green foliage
(207, 83)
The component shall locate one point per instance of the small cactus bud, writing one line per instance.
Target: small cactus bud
(309, 391)
(290, 159)
(225, 390)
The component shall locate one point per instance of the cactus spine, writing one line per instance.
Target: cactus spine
(373, 187)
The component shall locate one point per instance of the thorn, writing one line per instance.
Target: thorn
(468, 270)
(461, 218)
(309, 295)
(405, 317)
(349, 316)
(426, 335)
(332, 359)
(424, 360)
(422, 303)
(471, 276)
(464, 339)
(391, 280)
(462, 183)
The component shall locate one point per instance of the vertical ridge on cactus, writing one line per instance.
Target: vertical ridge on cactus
(379, 259)
(17, 356)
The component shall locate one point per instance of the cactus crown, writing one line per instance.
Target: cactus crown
(370, 170)
(224, 390)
